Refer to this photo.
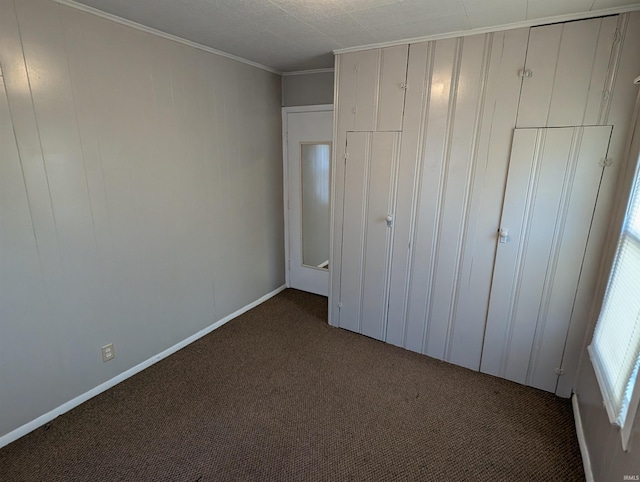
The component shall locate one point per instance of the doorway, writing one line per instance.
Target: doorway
(307, 149)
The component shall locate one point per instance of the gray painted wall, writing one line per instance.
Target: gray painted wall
(307, 89)
(140, 199)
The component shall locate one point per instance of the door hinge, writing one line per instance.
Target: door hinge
(346, 156)
(356, 68)
(353, 110)
(339, 305)
(404, 85)
(605, 162)
(558, 371)
(525, 73)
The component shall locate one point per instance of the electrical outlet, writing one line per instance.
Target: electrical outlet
(107, 352)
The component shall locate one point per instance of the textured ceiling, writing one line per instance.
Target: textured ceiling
(292, 35)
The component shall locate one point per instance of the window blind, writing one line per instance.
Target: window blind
(615, 348)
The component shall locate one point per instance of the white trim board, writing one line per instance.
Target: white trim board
(159, 33)
(65, 407)
(582, 441)
(308, 72)
(496, 28)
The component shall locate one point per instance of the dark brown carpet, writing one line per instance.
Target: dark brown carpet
(277, 394)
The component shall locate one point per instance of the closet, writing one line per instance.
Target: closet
(470, 186)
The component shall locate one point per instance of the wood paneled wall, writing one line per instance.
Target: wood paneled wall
(463, 99)
(140, 198)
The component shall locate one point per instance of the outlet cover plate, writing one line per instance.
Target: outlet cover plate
(108, 353)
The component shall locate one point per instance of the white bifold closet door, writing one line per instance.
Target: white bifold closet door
(369, 202)
(552, 187)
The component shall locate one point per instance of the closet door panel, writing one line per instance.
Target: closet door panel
(573, 73)
(544, 43)
(355, 194)
(550, 196)
(369, 198)
(524, 172)
(569, 65)
(393, 71)
(381, 200)
(573, 225)
(540, 214)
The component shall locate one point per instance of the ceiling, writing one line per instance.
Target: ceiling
(294, 35)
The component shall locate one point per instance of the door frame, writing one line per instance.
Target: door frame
(285, 174)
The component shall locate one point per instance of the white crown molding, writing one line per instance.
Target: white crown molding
(307, 72)
(496, 28)
(168, 36)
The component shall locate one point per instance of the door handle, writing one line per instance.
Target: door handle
(503, 235)
(389, 220)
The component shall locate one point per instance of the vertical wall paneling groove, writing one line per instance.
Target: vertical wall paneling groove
(616, 40)
(151, 173)
(604, 63)
(22, 288)
(342, 122)
(337, 190)
(434, 336)
(466, 202)
(420, 64)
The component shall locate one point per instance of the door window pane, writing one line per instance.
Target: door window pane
(316, 163)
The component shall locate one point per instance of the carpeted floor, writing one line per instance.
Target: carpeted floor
(277, 394)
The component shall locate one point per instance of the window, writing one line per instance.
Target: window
(615, 348)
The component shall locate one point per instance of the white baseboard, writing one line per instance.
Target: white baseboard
(586, 461)
(65, 407)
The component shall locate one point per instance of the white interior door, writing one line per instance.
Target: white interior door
(551, 192)
(308, 165)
